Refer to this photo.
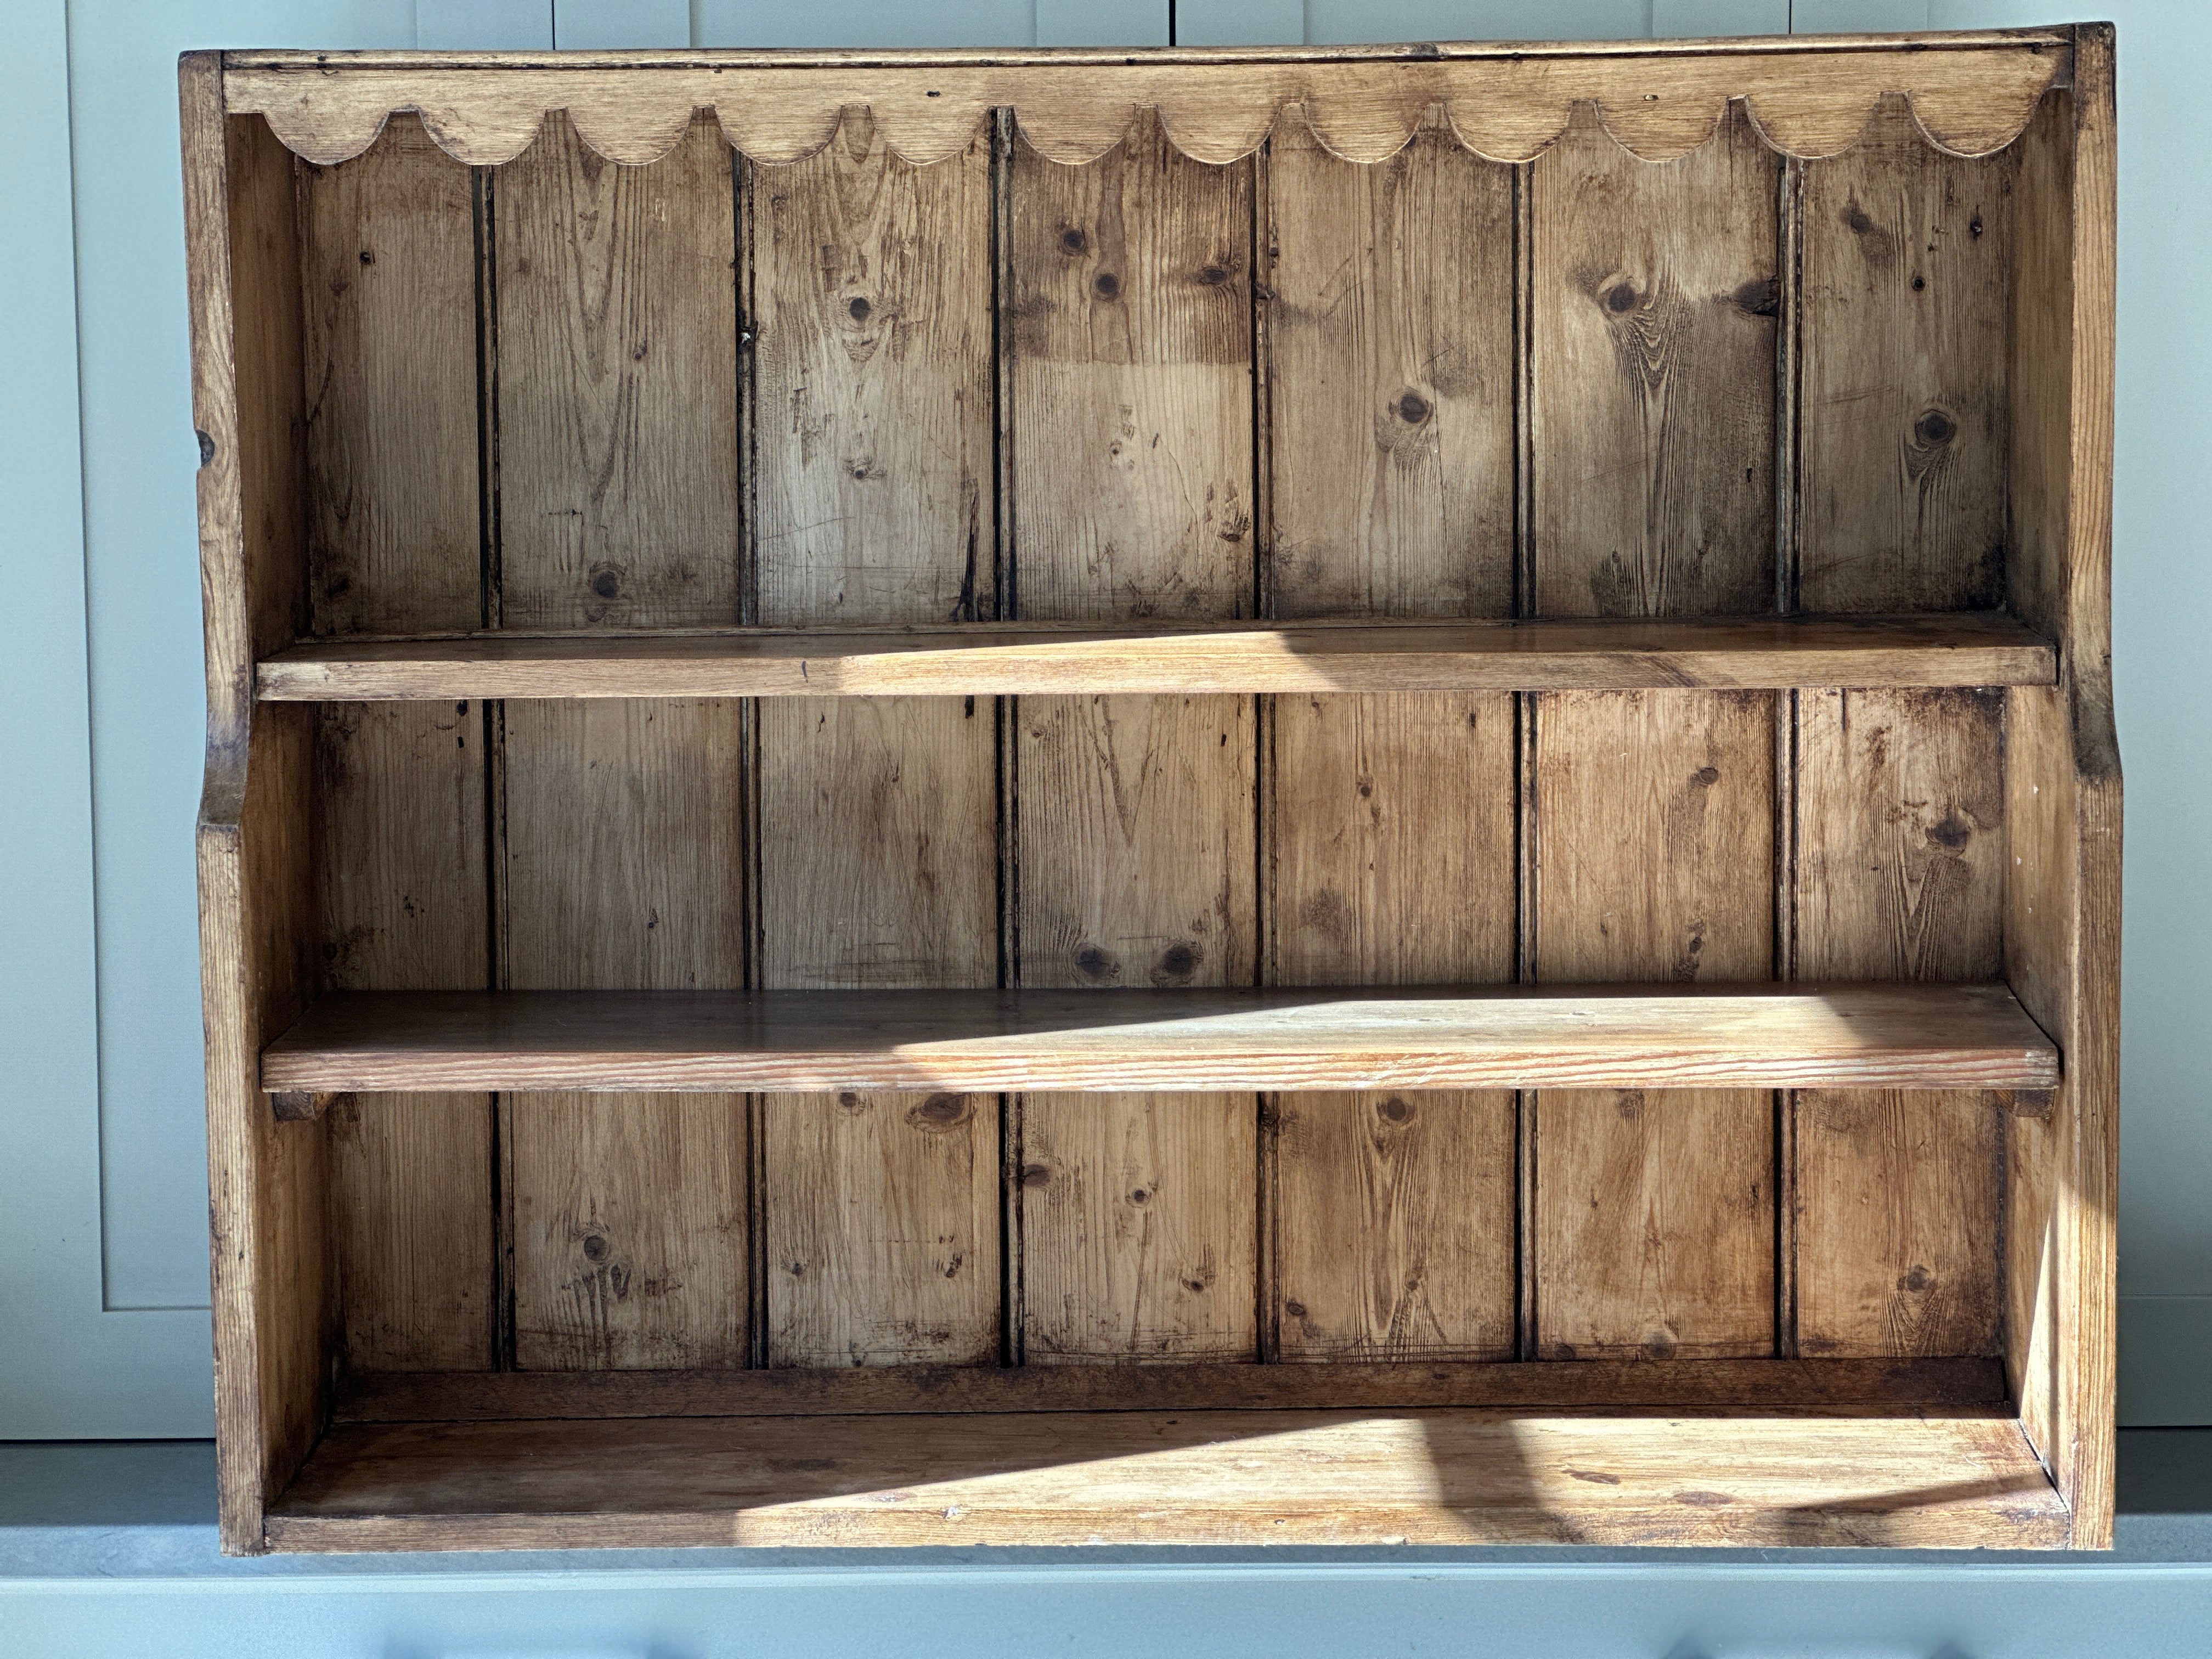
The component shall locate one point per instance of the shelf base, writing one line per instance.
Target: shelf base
(1955, 1478)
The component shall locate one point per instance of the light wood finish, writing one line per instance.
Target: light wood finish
(271, 1291)
(1026, 658)
(617, 399)
(954, 645)
(1126, 332)
(388, 275)
(1901, 874)
(1676, 1037)
(1652, 317)
(1907, 255)
(1959, 1478)
(2063, 776)
(1653, 1229)
(1793, 1384)
(389, 296)
(399, 802)
(622, 868)
(1971, 92)
(1388, 330)
(872, 442)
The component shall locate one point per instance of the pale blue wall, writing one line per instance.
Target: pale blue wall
(103, 1219)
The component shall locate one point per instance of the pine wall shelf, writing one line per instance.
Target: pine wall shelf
(1314, 796)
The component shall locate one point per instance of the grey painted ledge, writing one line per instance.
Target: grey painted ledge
(109, 1547)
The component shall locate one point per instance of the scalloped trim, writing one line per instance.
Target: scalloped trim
(1968, 100)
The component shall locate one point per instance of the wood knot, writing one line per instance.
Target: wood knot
(596, 1247)
(1705, 776)
(1916, 1281)
(1106, 285)
(1213, 275)
(1412, 408)
(1177, 963)
(1934, 428)
(1097, 963)
(1395, 1111)
(940, 1112)
(607, 583)
(1035, 1175)
(858, 309)
(1072, 241)
(1620, 299)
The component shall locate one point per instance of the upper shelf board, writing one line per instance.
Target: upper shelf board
(1972, 94)
(997, 660)
(1859, 1036)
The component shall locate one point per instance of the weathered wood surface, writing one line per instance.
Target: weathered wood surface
(878, 819)
(253, 842)
(620, 865)
(1957, 1477)
(1973, 92)
(1008, 660)
(1659, 1036)
(1901, 874)
(1907, 256)
(1774, 1384)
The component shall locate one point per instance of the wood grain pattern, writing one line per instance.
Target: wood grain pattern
(1774, 1384)
(1657, 1037)
(388, 270)
(1392, 1214)
(1652, 337)
(389, 286)
(1971, 91)
(1128, 330)
(1654, 1224)
(872, 342)
(1389, 380)
(1958, 1478)
(622, 866)
(269, 1290)
(1902, 865)
(399, 799)
(1008, 660)
(878, 818)
(1907, 262)
(616, 349)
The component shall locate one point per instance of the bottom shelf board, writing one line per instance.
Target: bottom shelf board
(1956, 1479)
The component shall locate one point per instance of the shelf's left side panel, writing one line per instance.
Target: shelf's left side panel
(271, 1290)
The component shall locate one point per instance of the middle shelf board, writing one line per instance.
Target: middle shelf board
(1024, 660)
(1651, 1036)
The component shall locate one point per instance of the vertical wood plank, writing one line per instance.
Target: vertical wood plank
(622, 868)
(878, 817)
(1389, 374)
(388, 281)
(1654, 295)
(1654, 1229)
(621, 846)
(617, 410)
(1390, 377)
(1900, 875)
(1907, 266)
(1652, 338)
(1127, 326)
(388, 276)
(399, 794)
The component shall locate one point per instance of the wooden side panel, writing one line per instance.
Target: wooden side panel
(1389, 374)
(389, 282)
(1654, 295)
(1905, 413)
(621, 868)
(1389, 381)
(1654, 1218)
(1652, 323)
(388, 270)
(399, 795)
(1126, 324)
(621, 854)
(878, 817)
(1901, 860)
(617, 305)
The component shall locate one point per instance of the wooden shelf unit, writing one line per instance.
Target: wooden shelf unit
(1212, 796)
